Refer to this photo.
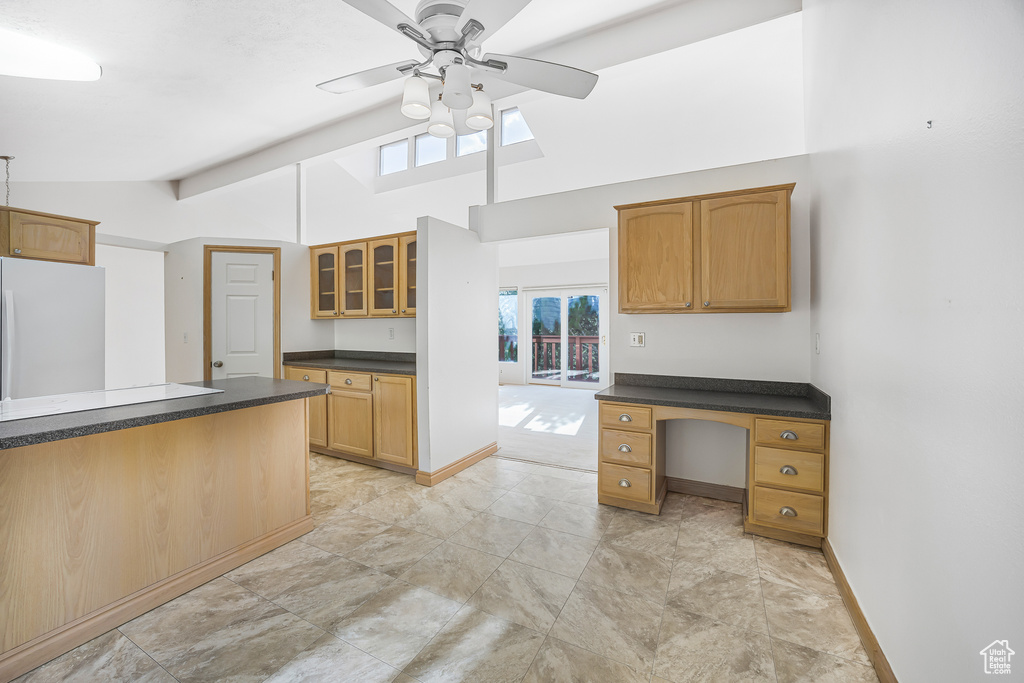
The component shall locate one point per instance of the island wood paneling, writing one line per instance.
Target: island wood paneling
(91, 522)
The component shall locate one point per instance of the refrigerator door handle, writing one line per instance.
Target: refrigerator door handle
(8, 343)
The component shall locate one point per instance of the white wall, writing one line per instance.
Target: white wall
(457, 389)
(372, 334)
(769, 346)
(134, 326)
(183, 288)
(919, 299)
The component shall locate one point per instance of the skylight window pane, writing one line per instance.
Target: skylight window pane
(471, 144)
(430, 150)
(394, 157)
(514, 128)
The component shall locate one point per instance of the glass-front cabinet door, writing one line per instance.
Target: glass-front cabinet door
(383, 255)
(324, 270)
(407, 274)
(353, 279)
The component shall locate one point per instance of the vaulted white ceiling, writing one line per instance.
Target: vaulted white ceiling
(191, 85)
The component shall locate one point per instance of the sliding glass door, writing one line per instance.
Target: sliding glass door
(567, 338)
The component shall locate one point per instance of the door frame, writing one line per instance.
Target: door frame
(208, 250)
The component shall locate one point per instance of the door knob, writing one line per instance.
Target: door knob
(218, 363)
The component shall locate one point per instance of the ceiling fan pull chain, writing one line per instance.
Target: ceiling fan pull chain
(8, 160)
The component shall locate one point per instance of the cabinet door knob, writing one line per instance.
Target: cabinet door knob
(789, 435)
(624, 483)
(305, 378)
(342, 313)
(624, 448)
(403, 310)
(687, 304)
(376, 379)
(788, 469)
(348, 381)
(625, 418)
(17, 251)
(787, 512)
(706, 304)
(394, 311)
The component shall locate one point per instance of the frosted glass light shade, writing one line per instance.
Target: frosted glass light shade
(479, 116)
(441, 123)
(457, 93)
(416, 98)
(29, 57)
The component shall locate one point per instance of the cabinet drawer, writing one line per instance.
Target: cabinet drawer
(633, 448)
(353, 381)
(625, 417)
(808, 510)
(792, 469)
(305, 374)
(790, 434)
(621, 481)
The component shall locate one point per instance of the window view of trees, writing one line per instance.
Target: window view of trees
(508, 326)
(584, 336)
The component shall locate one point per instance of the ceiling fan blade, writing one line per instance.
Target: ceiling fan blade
(490, 14)
(557, 79)
(364, 79)
(387, 14)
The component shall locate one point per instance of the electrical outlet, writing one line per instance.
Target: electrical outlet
(636, 338)
(391, 334)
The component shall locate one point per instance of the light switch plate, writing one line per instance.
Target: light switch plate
(636, 338)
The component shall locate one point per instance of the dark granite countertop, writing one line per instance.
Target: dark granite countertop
(240, 392)
(392, 363)
(758, 397)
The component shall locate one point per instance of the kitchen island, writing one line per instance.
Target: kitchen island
(107, 513)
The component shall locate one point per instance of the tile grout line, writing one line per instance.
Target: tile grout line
(151, 657)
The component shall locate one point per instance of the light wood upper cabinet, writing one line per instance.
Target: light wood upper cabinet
(323, 270)
(656, 258)
(365, 278)
(726, 252)
(317, 404)
(744, 247)
(383, 277)
(407, 274)
(34, 235)
(353, 277)
(393, 419)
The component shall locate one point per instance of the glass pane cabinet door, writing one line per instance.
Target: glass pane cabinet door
(353, 258)
(407, 275)
(383, 276)
(325, 280)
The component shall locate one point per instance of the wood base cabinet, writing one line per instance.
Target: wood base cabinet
(368, 418)
(317, 405)
(47, 237)
(720, 253)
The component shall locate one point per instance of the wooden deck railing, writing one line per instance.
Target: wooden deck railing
(582, 353)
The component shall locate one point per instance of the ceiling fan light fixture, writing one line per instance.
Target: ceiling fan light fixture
(480, 116)
(457, 93)
(441, 125)
(416, 98)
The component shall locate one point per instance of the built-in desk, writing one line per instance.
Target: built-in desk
(786, 493)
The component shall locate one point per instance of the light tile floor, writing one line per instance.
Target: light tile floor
(506, 572)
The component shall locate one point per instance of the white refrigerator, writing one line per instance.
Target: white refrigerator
(51, 328)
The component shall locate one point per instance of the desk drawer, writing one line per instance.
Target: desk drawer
(790, 434)
(305, 374)
(632, 448)
(621, 481)
(808, 510)
(792, 469)
(625, 417)
(353, 381)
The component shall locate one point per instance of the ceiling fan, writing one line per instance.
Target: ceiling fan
(449, 34)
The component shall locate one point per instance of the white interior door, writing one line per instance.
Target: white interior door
(242, 314)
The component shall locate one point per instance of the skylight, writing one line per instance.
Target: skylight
(28, 57)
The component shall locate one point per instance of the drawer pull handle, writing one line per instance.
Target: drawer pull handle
(625, 418)
(788, 469)
(624, 448)
(789, 435)
(305, 378)
(624, 483)
(787, 512)
(348, 381)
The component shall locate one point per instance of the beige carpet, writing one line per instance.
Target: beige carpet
(548, 425)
